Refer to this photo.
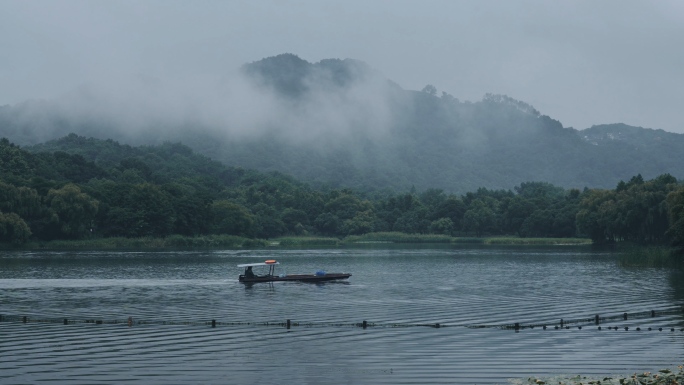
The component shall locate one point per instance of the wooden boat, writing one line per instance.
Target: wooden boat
(270, 276)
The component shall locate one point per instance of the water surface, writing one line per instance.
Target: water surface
(402, 293)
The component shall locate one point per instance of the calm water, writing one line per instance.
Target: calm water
(471, 292)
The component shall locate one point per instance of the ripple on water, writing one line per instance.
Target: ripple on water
(176, 295)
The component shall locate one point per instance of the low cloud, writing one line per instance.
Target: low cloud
(234, 107)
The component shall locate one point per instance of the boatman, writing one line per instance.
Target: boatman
(249, 273)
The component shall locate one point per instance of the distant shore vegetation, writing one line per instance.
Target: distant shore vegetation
(144, 243)
(100, 194)
(235, 242)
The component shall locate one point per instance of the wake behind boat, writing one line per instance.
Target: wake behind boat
(270, 276)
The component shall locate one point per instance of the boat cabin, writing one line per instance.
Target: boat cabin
(263, 272)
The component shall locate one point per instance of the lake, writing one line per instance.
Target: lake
(475, 293)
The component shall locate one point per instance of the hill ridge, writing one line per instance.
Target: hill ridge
(341, 123)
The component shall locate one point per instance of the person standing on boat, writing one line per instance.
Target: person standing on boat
(249, 273)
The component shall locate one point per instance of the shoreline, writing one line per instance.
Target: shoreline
(177, 242)
(661, 377)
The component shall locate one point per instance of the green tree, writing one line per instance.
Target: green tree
(327, 224)
(593, 215)
(636, 211)
(75, 210)
(267, 221)
(13, 229)
(14, 161)
(346, 205)
(231, 218)
(137, 211)
(442, 226)
(433, 198)
(413, 221)
(452, 208)
(675, 208)
(479, 218)
(538, 224)
(515, 211)
(191, 208)
(154, 206)
(294, 220)
(361, 223)
(23, 201)
(345, 213)
(406, 213)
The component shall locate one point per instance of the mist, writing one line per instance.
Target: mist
(233, 106)
(581, 62)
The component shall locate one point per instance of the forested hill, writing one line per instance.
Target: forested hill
(77, 187)
(653, 149)
(341, 123)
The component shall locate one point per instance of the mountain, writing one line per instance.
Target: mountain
(342, 124)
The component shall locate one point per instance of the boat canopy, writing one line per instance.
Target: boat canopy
(259, 264)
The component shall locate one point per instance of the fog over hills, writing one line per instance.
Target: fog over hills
(343, 124)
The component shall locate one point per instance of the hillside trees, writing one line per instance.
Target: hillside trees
(540, 210)
(448, 211)
(479, 218)
(635, 211)
(406, 213)
(295, 220)
(162, 190)
(231, 218)
(23, 201)
(13, 229)
(136, 210)
(675, 203)
(13, 161)
(190, 206)
(73, 211)
(346, 213)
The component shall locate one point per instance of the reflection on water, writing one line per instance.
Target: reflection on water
(676, 282)
(179, 293)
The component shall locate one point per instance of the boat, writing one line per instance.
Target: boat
(270, 275)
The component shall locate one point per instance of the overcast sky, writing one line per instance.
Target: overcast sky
(580, 62)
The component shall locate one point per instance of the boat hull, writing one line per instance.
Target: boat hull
(295, 277)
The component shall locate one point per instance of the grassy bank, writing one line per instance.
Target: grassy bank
(536, 241)
(304, 241)
(647, 256)
(146, 243)
(234, 242)
(431, 238)
(394, 237)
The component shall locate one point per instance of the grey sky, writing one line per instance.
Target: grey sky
(581, 62)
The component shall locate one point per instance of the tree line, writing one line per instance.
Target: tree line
(78, 187)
